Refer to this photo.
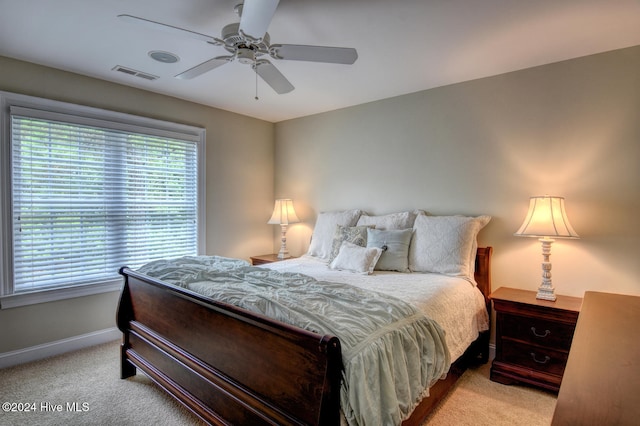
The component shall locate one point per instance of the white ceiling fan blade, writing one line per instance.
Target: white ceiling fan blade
(273, 77)
(256, 17)
(170, 29)
(204, 67)
(298, 52)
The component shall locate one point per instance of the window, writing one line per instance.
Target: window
(87, 191)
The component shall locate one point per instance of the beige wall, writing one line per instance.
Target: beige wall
(239, 195)
(483, 147)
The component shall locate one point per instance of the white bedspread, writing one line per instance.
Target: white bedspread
(391, 355)
(454, 303)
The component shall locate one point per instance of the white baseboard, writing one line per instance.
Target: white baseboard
(34, 353)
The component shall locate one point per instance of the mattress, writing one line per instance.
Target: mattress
(454, 303)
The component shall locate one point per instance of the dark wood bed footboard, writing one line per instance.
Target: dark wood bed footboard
(231, 366)
(228, 365)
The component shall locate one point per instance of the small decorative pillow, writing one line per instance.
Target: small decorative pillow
(354, 258)
(395, 248)
(444, 244)
(325, 227)
(402, 220)
(354, 234)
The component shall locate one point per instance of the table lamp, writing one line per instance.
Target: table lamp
(546, 219)
(283, 215)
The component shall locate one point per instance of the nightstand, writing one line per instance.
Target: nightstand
(533, 337)
(266, 258)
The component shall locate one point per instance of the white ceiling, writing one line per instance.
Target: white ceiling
(403, 46)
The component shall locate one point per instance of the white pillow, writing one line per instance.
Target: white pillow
(444, 244)
(326, 223)
(402, 220)
(355, 258)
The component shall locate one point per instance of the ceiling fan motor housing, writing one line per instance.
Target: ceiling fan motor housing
(233, 40)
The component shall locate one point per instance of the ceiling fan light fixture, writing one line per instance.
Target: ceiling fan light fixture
(246, 56)
(164, 57)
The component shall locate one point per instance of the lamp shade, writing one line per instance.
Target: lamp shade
(546, 218)
(283, 213)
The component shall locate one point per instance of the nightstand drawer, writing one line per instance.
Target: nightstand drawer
(538, 331)
(535, 357)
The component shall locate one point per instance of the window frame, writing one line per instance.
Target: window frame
(116, 120)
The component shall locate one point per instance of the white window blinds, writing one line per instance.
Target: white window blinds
(90, 196)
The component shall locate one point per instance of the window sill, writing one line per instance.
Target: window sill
(32, 298)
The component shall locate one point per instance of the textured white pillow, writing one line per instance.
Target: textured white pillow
(355, 258)
(401, 220)
(444, 244)
(354, 234)
(326, 224)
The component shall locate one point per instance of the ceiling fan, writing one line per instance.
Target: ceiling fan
(248, 42)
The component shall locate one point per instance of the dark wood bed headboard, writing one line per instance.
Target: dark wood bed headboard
(483, 271)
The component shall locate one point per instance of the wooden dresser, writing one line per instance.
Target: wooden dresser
(601, 385)
(533, 337)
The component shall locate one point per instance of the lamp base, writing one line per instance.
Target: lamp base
(546, 290)
(546, 294)
(283, 253)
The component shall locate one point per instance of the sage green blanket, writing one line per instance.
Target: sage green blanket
(391, 352)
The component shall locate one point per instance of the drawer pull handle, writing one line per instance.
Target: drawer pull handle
(546, 358)
(546, 332)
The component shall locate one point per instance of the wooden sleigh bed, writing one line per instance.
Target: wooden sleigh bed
(232, 366)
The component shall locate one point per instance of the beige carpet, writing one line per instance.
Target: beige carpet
(85, 386)
(476, 400)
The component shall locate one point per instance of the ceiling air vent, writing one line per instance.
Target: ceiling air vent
(135, 73)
